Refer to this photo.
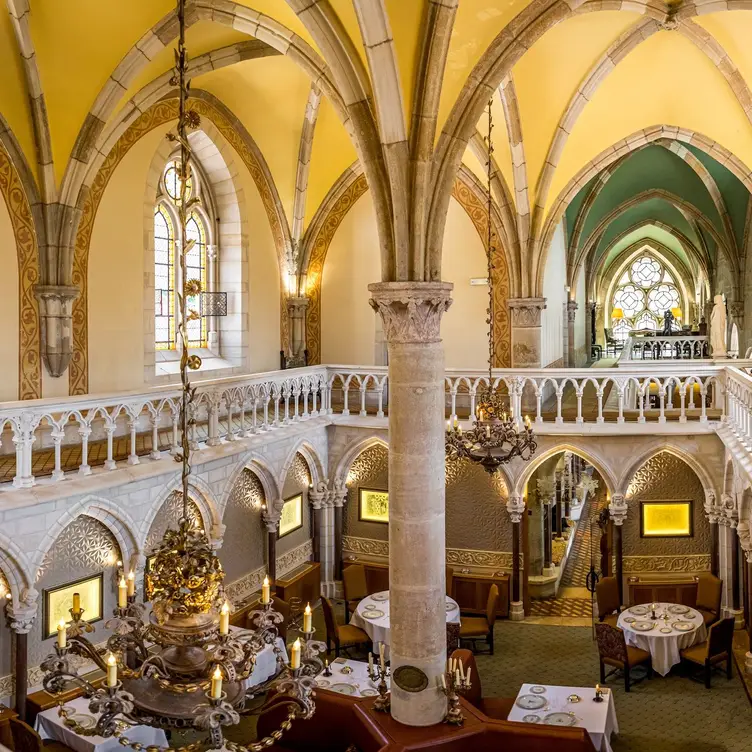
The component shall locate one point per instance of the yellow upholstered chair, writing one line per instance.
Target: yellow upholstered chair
(614, 651)
(476, 628)
(341, 636)
(709, 591)
(716, 649)
(355, 586)
(25, 739)
(607, 596)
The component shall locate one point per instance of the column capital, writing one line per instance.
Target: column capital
(712, 510)
(618, 509)
(21, 616)
(736, 309)
(55, 313)
(526, 312)
(320, 495)
(547, 490)
(297, 304)
(571, 310)
(516, 508)
(411, 311)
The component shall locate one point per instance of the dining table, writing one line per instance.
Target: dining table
(568, 706)
(348, 677)
(663, 629)
(372, 616)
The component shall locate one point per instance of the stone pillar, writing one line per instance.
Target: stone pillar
(272, 531)
(55, 314)
(570, 354)
(600, 325)
(618, 510)
(296, 310)
(729, 559)
(411, 313)
(547, 494)
(525, 314)
(21, 620)
(318, 497)
(516, 508)
(712, 513)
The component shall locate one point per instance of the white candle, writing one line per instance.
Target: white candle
(462, 670)
(307, 618)
(224, 618)
(122, 593)
(295, 654)
(76, 602)
(370, 663)
(265, 591)
(467, 675)
(381, 655)
(111, 671)
(443, 681)
(216, 684)
(131, 584)
(457, 677)
(61, 634)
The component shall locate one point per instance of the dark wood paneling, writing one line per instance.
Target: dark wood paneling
(649, 591)
(303, 583)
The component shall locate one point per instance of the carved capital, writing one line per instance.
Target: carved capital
(296, 306)
(736, 309)
(571, 310)
(21, 617)
(618, 509)
(319, 495)
(526, 312)
(516, 508)
(55, 313)
(547, 490)
(411, 311)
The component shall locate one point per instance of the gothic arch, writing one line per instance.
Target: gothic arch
(272, 489)
(17, 570)
(311, 456)
(352, 452)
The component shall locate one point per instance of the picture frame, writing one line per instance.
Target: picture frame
(673, 518)
(373, 505)
(292, 515)
(58, 601)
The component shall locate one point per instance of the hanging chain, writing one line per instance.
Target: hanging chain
(489, 244)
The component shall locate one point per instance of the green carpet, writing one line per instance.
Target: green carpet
(665, 714)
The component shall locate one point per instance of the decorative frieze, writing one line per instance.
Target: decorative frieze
(241, 590)
(680, 564)
(294, 558)
(365, 546)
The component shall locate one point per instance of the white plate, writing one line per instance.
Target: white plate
(537, 689)
(677, 608)
(344, 689)
(380, 597)
(639, 610)
(666, 630)
(84, 720)
(450, 607)
(683, 626)
(629, 620)
(373, 614)
(368, 692)
(643, 626)
(531, 718)
(560, 719)
(323, 682)
(531, 702)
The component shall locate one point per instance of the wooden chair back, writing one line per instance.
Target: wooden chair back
(709, 590)
(282, 607)
(721, 637)
(492, 605)
(25, 739)
(329, 620)
(354, 582)
(607, 596)
(475, 693)
(449, 580)
(611, 643)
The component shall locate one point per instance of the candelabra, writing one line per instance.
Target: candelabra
(380, 673)
(453, 683)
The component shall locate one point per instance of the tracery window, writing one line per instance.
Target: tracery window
(167, 273)
(644, 293)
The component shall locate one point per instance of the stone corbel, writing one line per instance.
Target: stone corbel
(320, 496)
(618, 509)
(21, 616)
(729, 510)
(338, 494)
(515, 508)
(296, 311)
(711, 510)
(56, 318)
(217, 535)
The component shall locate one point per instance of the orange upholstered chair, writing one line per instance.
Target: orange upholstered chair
(476, 628)
(614, 651)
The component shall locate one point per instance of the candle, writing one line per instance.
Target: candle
(216, 684)
(111, 671)
(488, 432)
(61, 634)
(449, 665)
(122, 593)
(467, 676)
(295, 654)
(224, 618)
(131, 584)
(76, 602)
(370, 663)
(443, 681)
(307, 619)
(457, 677)
(462, 670)
(527, 421)
(265, 591)
(381, 655)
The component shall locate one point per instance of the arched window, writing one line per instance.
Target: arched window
(645, 292)
(167, 273)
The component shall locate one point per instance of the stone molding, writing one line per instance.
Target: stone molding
(526, 312)
(687, 563)
(411, 311)
(368, 546)
(294, 558)
(242, 589)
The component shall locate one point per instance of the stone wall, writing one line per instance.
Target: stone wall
(298, 481)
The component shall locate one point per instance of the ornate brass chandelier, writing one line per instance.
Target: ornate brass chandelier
(180, 666)
(495, 436)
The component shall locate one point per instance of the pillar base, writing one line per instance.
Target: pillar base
(549, 571)
(748, 663)
(516, 611)
(737, 616)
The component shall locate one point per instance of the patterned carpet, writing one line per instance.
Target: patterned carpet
(665, 714)
(575, 607)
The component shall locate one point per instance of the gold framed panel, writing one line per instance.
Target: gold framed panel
(667, 519)
(59, 600)
(373, 505)
(292, 516)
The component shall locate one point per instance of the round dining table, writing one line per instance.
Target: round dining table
(372, 616)
(675, 628)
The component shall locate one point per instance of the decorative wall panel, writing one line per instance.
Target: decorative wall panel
(169, 516)
(369, 470)
(244, 545)
(298, 481)
(665, 477)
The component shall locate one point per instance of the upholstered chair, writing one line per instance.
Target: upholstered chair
(493, 707)
(614, 651)
(341, 636)
(355, 586)
(607, 596)
(25, 739)
(709, 590)
(476, 628)
(716, 649)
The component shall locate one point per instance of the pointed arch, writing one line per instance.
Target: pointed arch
(259, 467)
(17, 568)
(353, 451)
(311, 456)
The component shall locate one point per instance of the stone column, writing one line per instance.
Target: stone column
(618, 510)
(272, 530)
(571, 353)
(547, 493)
(516, 508)
(21, 620)
(56, 318)
(525, 314)
(411, 313)
(729, 560)
(318, 497)
(712, 513)
(338, 497)
(296, 310)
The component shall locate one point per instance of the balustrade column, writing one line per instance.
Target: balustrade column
(411, 315)
(618, 511)
(20, 620)
(516, 508)
(24, 438)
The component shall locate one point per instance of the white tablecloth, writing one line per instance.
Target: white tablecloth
(664, 648)
(378, 629)
(358, 679)
(266, 660)
(50, 726)
(598, 718)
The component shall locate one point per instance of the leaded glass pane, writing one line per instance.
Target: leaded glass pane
(196, 269)
(172, 181)
(663, 298)
(621, 329)
(164, 276)
(630, 299)
(646, 271)
(646, 321)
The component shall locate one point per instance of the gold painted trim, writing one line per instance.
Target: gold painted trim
(29, 360)
(687, 563)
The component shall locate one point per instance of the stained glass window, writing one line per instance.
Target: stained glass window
(196, 269)
(164, 280)
(644, 293)
(172, 182)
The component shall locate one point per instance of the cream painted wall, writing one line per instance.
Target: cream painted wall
(8, 308)
(580, 343)
(348, 324)
(554, 290)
